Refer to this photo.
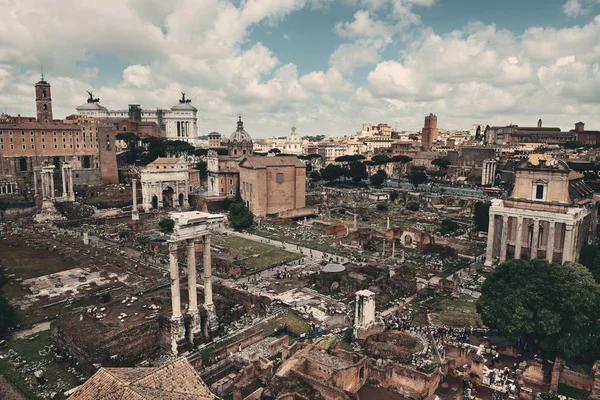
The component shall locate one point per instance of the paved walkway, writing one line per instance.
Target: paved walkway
(314, 255)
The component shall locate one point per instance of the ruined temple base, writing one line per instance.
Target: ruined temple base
(48, 213)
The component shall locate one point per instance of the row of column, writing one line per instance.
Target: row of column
(177, 321)
(67, 170)
(47, 174)
(568, 248)
(183, 128)
(8, 188)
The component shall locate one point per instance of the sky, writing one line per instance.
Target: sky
(325, 66)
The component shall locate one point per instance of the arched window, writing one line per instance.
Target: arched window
(45, 107)
(279, 178)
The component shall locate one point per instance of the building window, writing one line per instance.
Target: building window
(231, 181)
(539, 192)
(279, 178)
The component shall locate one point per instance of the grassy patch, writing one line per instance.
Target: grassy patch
(26, 262)
(572, 392)
(253, 256)
(57, 378)
(459, 312)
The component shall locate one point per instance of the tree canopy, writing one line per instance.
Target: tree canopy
(573, 145)
(358, 171)
(417, 177)
(332, 172)
(241, 217)
(315, 176)
(381, 159)
(441, 163)
(166, 225)
(379, 177)
(554, 306)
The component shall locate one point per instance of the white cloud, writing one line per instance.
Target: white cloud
(348, 57)
(136, 75)
(331, 81)
(575, 8)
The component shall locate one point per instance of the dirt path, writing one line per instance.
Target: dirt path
(42, 326)
(9, 392)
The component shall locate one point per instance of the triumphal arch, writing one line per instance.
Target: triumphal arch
(165, 184)
(190, 227)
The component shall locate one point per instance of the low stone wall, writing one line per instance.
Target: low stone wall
(328, 392)
(576, 379)
(242, 344)
(276, 345)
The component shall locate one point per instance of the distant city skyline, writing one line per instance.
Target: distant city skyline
(325, 66)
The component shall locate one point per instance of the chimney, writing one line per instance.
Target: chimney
(19, 118)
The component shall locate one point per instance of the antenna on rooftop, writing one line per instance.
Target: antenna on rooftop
(42, 64)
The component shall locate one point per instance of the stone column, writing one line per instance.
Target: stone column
(135, 214)
(43, 183)
(550, 243)
(71, 189)
(504, 238)
(519, 238)
(64, 182)
(177, 323)
(535, 238)
(568, 244)
(388, 222)
(208, 300)
(355, 222)
(393, 248)
(35, 182)
(51, 176)
(195, 329)
(86, 237)
(489, 257)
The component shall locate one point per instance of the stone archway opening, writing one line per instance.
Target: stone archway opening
(56, 162)
(155, 202)
(408, 240)
(23, 164)
(167, 197)
(86, 162)
(181, 199)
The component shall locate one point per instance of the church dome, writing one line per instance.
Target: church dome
(240, 134)
(293, 137)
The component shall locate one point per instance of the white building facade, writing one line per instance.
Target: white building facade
(180, 122)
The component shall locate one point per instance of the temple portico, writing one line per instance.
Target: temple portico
(189, 227)
(68, 193)
(549, 215)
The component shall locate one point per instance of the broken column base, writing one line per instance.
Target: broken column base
(178, 342)
(135, 215)
(48, 213)
(195, 331)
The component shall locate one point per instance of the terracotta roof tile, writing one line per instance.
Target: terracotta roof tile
(269, 161)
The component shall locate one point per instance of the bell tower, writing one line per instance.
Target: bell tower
(43, 101)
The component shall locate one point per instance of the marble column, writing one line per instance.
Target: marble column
(550, 243)
(489, 257)
(393, 248)
(51, 177)
(388, 222)
(63, 171)
(43, 183)
(177, 323)
(192, 292)
(504, 238)
(135, 214)
(71, 189)
(519, 238)
(208, 300)
(35, 182)
(355, 222)
(535, 238)
(567, 254)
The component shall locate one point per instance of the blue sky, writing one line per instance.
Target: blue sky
(324, 65)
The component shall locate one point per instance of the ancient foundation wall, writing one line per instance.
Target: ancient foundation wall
(235, 347)
(353, 378)
(409, 382)
(277, 345)
(328, 392)
(576, 379)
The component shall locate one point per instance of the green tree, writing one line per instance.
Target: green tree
(131, 139)
(378, 178)
(400, 161)
(555, 306)
(590, 258)
(315, 176)
(441, 163)
(417, 176)
(241, 217)
(448, 226)
(358, 171)
(332, 172)
(412, 206)
(481, 216)
(166, 225)
(382, 206)
(381, 159)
